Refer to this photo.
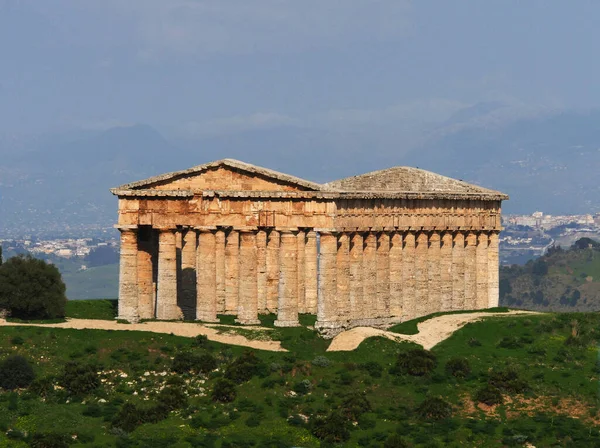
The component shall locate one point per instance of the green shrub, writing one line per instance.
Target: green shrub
(245, 367)
(373, 368)
(415, 362)
(303, 387)
(17, 340)
(434, 408)
(188, 362)
(354, 405)
(489, 395)
(458, 367)
(172, 398)
(15, 372)
(395, 441)
(50, 440)
(334, 428)
(253, 421)
(321, 361)
(507, 380)
(31, 289)
(224, 391)
(79, 379)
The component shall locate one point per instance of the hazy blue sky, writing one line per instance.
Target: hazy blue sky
(205, 67)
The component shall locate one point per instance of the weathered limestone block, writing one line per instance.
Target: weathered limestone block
(493, 268)
(206, 267)
(310, 270)
(248, 293)
(383, 275)
(220, 267)
(232, 273)
(287, 310)
(301, 253)
(421, 275)
(273, 242)
(128, 276)
(145, 272)
(356, 276)
(408, 276)
(470, 272)
(188, 274)
(458, 272)
(396, 301)
(343, 277)
(434, 272)
(369, 306)
(327, 315)
(261, 261)
(482, 272)
(446, 280)
(166, 307)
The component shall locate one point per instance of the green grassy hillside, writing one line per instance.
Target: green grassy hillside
(561, 280)
(543, 367)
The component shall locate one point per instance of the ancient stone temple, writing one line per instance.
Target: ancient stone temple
(228, 237)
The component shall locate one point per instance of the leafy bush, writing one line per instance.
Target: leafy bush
(334, 428)
(17, 340)
(395, 441)
(373, 368)
(15, 372)
(50, 440)
(458, 367)
(224, 391)
(188, 362)
(42, 387)
(354, 405)
(321, 361)
(303, 387)
(245, 367)
(172, 398)
(434, 408)
(31, 289)
(507, 380)
(489, 395)
(415, 362)
(79, 379)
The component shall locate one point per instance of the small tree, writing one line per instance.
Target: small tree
(15, 372)
(31, 289)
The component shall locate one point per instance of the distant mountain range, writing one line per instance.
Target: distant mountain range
(544, 162)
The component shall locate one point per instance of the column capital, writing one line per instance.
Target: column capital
(247, 229)
(287, 229)
(127, 228)
(205, 228)
(166, 228)
(332, 231)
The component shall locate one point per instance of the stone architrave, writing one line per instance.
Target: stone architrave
(408, 277)
(383, 274)
(470, 271)
(369, 305)
(166, 306)
(446, 272)
(493, 268)
(248, 293)
(261, 262)
(220, 267)
(482, 272)
(327, 313)
(356, 276)
(396, 275)
(310, 271)
(343, 277)
(206, 268)
(273, 242)
(434, 265)
(421, 275)
(458, 272)
(232, 271)
(287, 312)
(188, 274)
(145, 272)
(301, 253)
(128, 275)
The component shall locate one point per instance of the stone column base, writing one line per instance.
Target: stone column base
(247, 321)
(286, 323)
(207, 320)
(329, 330)
(130, 319)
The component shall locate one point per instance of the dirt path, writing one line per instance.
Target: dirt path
(214, 333)
(431, 332)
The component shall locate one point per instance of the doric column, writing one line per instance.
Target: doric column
(493, 269)
(356, 275)
(188, 274)
(326, 307)
(434, 300)
(409, 309)
(446, 272)
(145, 272)
(421, 275)
(470, 271)
(383, 275)
(287, 309)
(458, 272)
(220, 267)
(248, 284)
(232, 259)
(310, 270)
(301, 237)
(369, 306)
(128, 275)
(396, 275)
(206, 268)
(166, 306)
(261, 262)
(483, 295)
(343, 277)
(273, 241)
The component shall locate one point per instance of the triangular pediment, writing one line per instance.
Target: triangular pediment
(224, 175)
